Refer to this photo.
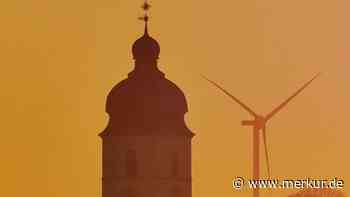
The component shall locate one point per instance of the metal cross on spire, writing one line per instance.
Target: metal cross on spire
(145, 6)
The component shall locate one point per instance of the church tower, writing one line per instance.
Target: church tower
(146, 144)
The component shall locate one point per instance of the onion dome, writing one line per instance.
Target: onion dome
(145, 47)
(146, 106)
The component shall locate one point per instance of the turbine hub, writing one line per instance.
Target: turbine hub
(258, 122)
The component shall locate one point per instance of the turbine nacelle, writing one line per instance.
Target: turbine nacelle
(248, 122)
(258, 123)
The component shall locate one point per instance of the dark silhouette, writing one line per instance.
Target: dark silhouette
(259, 123)
(146, 144)
(131, 164)
(175, 164)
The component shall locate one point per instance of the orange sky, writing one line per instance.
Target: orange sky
(59, 60)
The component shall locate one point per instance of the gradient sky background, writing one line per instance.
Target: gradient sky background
(60, 58)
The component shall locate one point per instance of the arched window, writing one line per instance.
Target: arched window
(131, 163)
(128, 192)
(176, 192)
(175, 164)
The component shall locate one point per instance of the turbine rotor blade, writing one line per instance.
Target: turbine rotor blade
(266, 152)
(277, 109)
(251, 112)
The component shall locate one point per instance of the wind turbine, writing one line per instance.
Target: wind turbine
(259, 123)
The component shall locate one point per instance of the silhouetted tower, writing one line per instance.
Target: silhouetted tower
(146, 145)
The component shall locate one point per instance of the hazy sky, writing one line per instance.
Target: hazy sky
(60, 58)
